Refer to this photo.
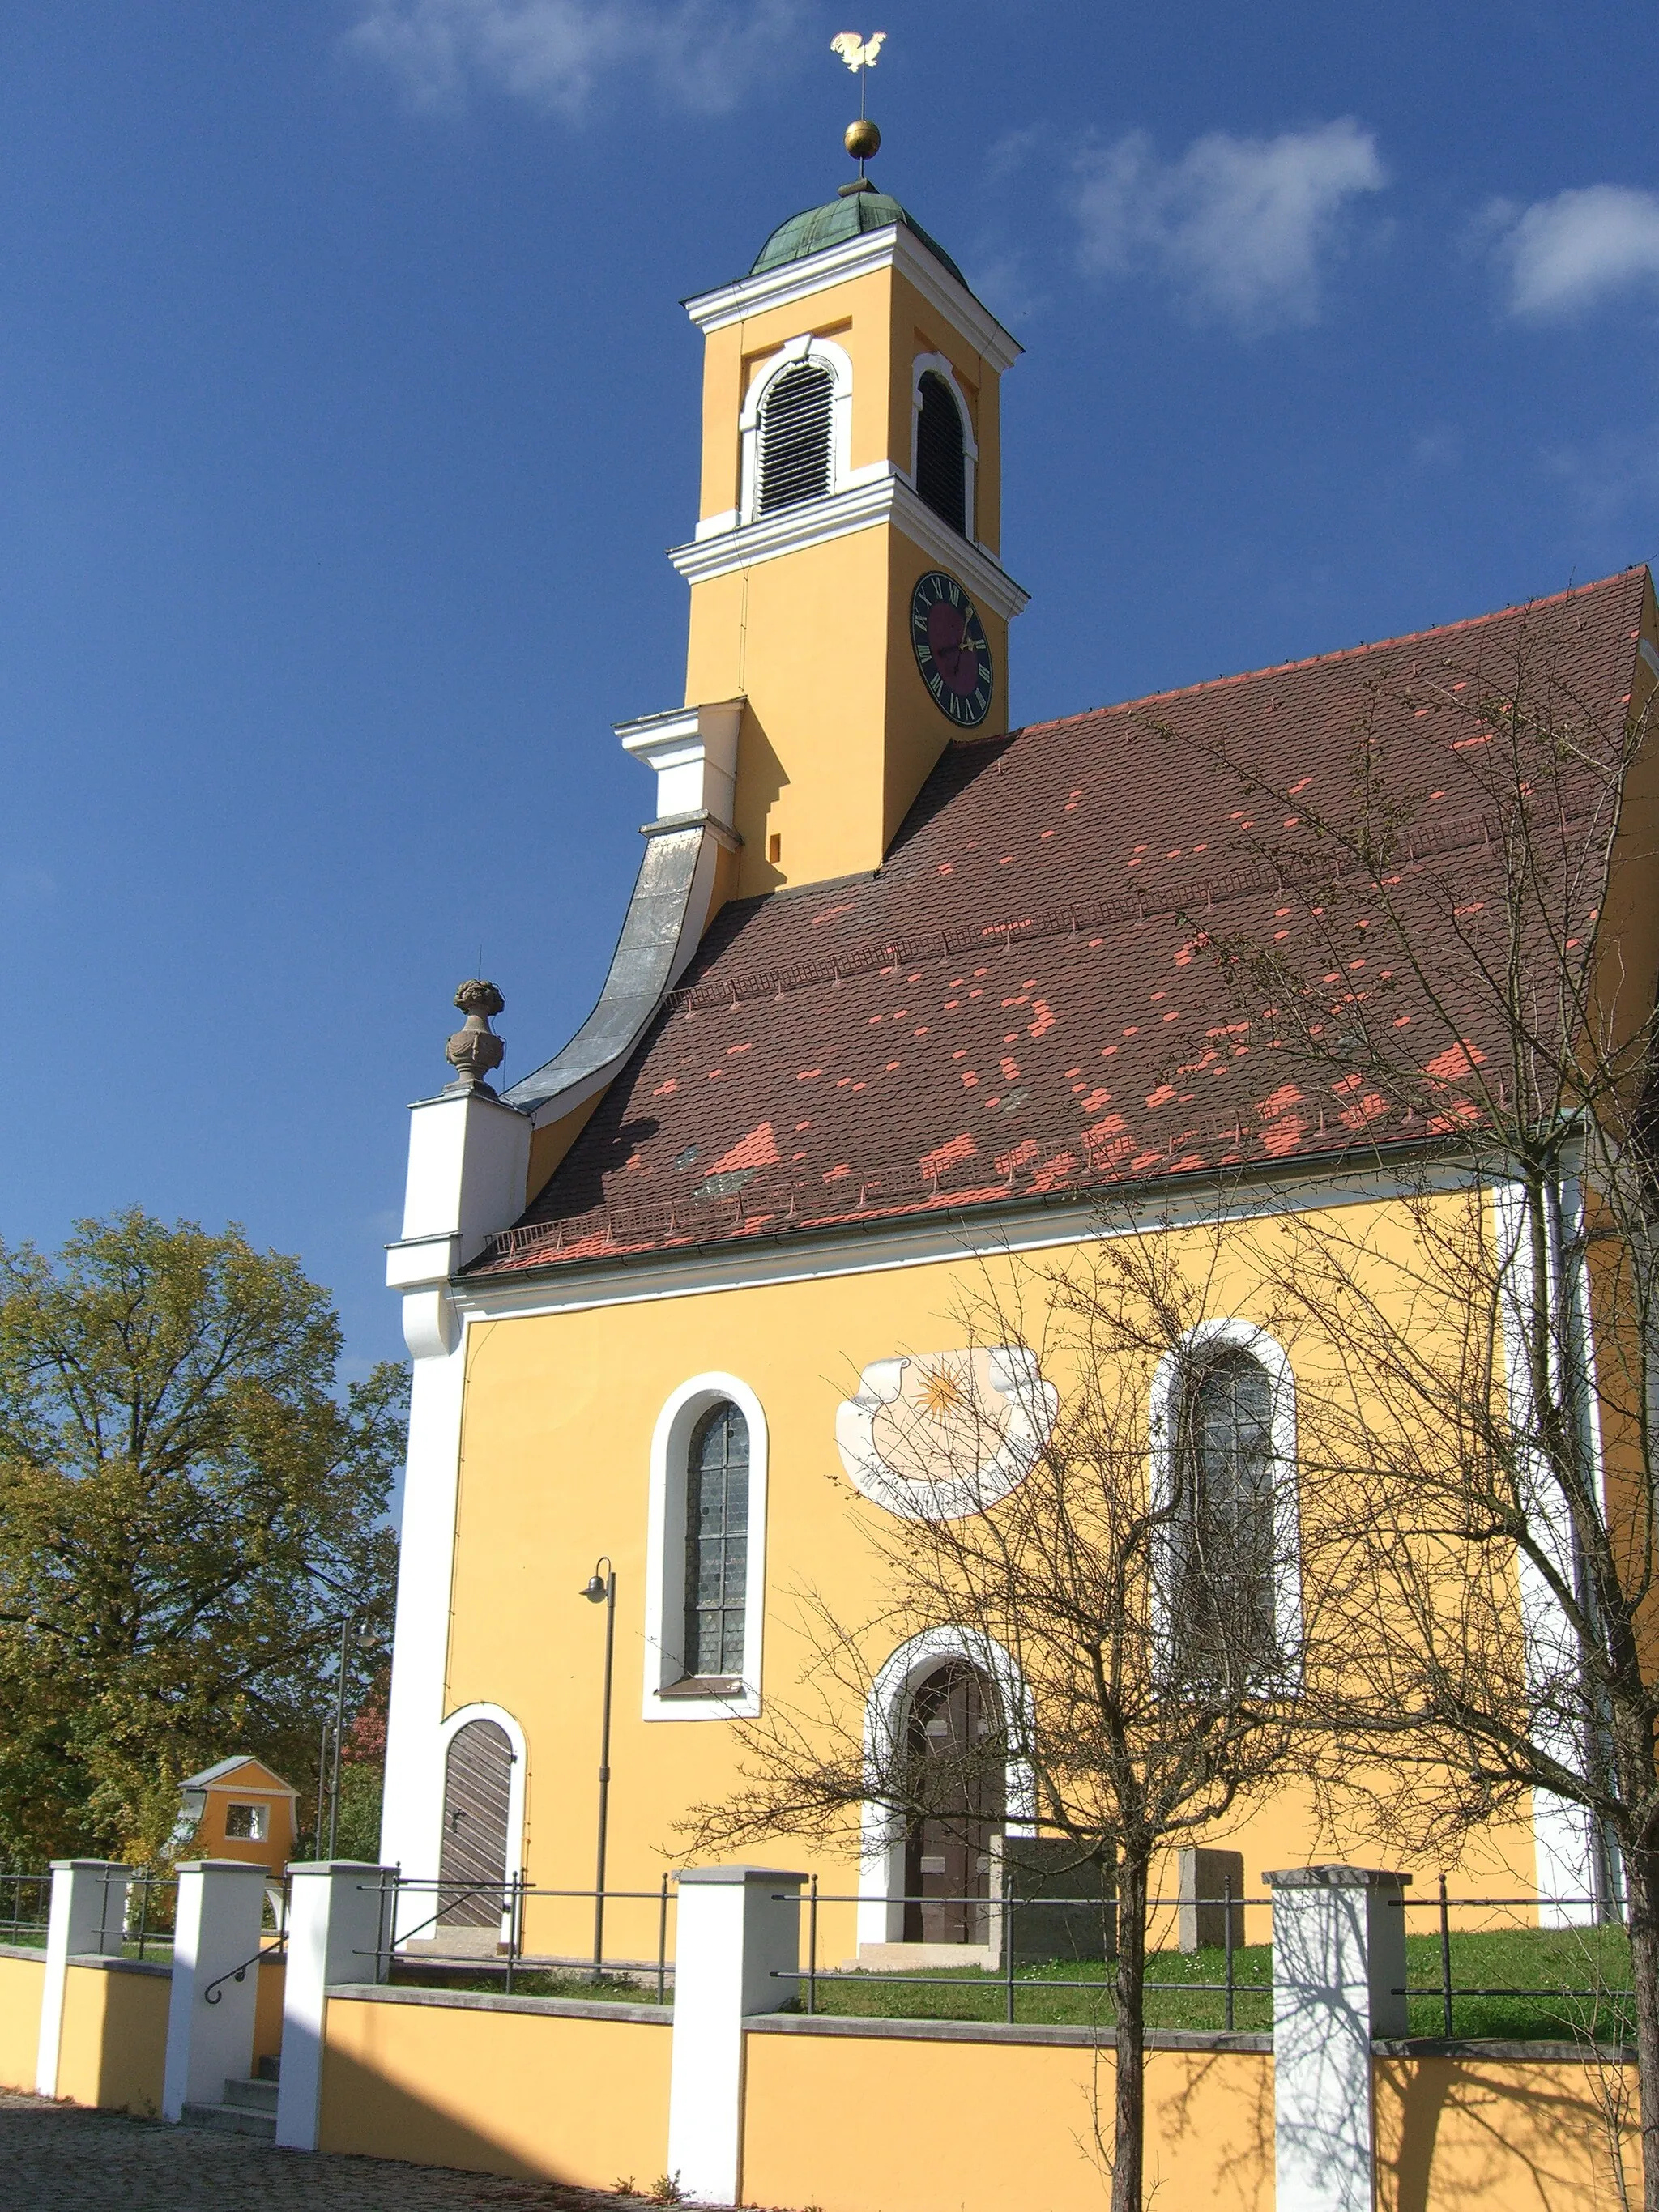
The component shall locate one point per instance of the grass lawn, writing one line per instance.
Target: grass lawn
(532, 1982)
(1555, 1962)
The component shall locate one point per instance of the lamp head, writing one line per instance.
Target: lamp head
(594, 1589)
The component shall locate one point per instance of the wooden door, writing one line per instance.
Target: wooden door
(958, 1775)
(473, 1859)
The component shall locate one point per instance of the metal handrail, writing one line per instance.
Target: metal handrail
(214, 1993)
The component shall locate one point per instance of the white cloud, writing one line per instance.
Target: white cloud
(552, 54)
(1240, 227)
(1569, 253)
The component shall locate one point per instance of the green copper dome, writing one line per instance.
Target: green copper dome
(838, 220)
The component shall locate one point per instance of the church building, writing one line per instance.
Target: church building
(900, 992)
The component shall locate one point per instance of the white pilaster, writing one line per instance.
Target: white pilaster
(210, 2019)
(693, 752)
(1338, 1939)
(87, 1918)
(737, 1951)
(338, 1929)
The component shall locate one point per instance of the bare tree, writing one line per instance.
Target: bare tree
(1148, 1689)
(1476, 1029)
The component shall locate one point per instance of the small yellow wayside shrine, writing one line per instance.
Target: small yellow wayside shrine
(238, 1808)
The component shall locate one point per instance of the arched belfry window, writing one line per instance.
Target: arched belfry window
(1223, 1600)
(795, 442)
(941, 453)
(716, 1542)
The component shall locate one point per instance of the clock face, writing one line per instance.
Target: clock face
(952, 651)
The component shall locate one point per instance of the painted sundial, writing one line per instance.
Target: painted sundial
(940, 1434)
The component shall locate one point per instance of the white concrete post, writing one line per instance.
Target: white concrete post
(1339, 1970)
(736, 1951)
(210, 2018)
(339, 1922)
(87, 1918)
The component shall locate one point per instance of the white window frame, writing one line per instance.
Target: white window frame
(825, 353)
(517, 1787)
(1165, 1410)
(665, 1570)
(937, 365)
(886, 1717)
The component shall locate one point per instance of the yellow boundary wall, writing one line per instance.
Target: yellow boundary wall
(1532, 2134)
(22, 1977)
(115, 2034)
(903, 2121)
(526, 2086)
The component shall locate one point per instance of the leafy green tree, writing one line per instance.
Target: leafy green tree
(188, 1506)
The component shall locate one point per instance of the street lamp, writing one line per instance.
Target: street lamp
(601, 1589)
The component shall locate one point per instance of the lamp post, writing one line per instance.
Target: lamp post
(365, 1629)
(601, 1589)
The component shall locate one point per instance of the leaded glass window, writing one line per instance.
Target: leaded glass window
(1222, 1606)
(716, 1541)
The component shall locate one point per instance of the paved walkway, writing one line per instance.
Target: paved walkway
(60, 2158)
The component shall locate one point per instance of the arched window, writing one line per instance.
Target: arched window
(716, 1543)
(941, 455)
(795, 436)
(1222, 1604)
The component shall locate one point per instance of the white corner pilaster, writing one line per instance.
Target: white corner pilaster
(210, 2012)
(87, 1918)
(1338, 1937)
(737, 1951)
(338, 1930)
(693, 752)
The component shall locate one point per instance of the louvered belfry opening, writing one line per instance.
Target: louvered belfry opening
(941, 458)
(794, 445)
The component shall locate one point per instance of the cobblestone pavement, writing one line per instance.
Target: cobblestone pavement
(61, 2158)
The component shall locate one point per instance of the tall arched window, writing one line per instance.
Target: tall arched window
(795, 436)
(1224, 1554)
(716, 1542)
(941, 455)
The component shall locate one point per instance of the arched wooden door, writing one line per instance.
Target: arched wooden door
(472, 1857)
(958, 1775)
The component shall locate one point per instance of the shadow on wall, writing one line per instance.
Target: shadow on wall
(1451, 2131)
(524, 2093)
(114, 2036)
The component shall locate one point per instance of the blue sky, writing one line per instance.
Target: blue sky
(346, 408)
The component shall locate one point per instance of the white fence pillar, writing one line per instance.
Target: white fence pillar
(210, 2017)
(340, 1930)
(87, 1918)
(736, 1951)
(1339, 1966)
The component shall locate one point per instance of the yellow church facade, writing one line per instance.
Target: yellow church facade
(903, 1017)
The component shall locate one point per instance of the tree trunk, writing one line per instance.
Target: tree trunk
(1129, 2103)
(1642, 1875)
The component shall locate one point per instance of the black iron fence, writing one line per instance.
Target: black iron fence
(510, 1932)
(25, 1905)
(1020, 1965)
(1589, 1942)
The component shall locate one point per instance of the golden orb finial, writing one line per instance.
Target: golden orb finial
(862, 139)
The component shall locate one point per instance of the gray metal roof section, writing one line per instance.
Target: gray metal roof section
(659, 933)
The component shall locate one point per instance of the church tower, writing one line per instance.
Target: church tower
(850, 611)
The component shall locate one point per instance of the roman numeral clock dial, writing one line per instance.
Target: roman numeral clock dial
(952, 649)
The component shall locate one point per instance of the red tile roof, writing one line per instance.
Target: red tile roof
(1012, 1005)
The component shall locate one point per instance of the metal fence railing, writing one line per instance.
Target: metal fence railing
(513, 1929)
(1590, 1940)
(1222, 1916)
(25, 1903)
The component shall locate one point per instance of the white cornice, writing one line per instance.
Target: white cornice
(860, 257)
(892, 1245)
(883, 499)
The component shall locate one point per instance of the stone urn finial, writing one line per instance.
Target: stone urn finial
(476, 1050)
